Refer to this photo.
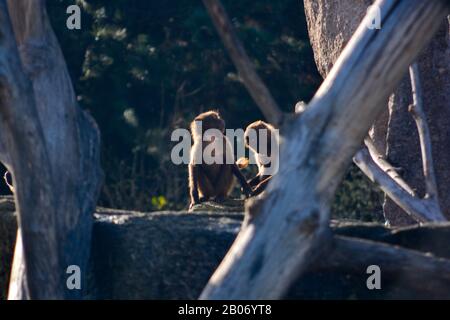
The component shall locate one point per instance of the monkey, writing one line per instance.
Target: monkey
(214, 180)
(265, 157)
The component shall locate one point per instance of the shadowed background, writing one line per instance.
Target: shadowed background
(144, 68)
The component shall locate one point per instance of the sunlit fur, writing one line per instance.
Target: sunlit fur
(212, 180)
(260, 181)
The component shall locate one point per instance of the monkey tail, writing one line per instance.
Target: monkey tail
(242, 162)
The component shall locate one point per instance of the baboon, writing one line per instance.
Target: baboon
(215, 180)
(264, 156)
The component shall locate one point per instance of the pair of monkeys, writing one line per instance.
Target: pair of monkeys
(215, 181)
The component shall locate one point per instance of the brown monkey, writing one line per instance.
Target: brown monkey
(212, 180)
(266, 158)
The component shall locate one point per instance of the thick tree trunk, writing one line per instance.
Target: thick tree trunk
(331, 23)
(24, 142)
(286, 227)
(55, 205)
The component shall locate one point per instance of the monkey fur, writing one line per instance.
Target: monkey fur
(212, 181)
(261, 180)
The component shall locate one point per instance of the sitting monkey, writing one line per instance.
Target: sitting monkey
(212, 180)
(265, 147)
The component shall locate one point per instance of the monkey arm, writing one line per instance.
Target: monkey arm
(262, 185)
(245, 186)
(193, 184)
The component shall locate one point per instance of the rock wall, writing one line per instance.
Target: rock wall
(171, 255)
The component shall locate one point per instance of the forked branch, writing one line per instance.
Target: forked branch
(378, 169)
(418, 114)
(421, 210)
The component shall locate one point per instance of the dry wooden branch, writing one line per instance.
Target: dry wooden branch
(422, 210)
(288, 225)
(381, 172)
(255, 86)
(382, 162)
(418, 114)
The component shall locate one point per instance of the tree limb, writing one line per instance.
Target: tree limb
(418, 114)
(379, 170)
(255, 86)
(290, 223)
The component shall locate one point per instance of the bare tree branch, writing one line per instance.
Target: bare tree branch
(381, 161)
(379, 170)
(289, 224)
(255, 86)
(418, 114)
(422, 210)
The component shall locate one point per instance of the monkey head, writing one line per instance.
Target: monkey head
(258, 137)
(206, 121)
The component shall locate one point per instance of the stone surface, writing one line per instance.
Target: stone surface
(171, 255)
(164, 255)
(331, 23)
(229, 205)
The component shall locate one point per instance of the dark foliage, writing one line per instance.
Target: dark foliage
(144, 68)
